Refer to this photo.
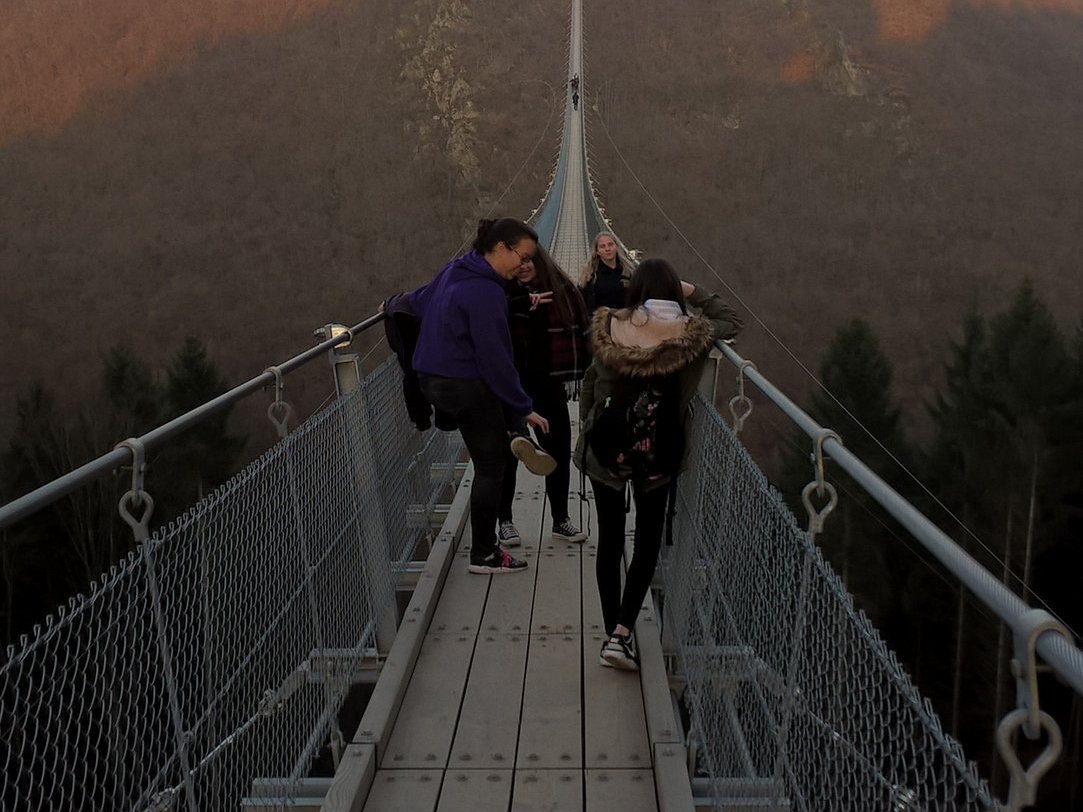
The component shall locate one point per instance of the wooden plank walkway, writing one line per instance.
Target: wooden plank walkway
(493, 698)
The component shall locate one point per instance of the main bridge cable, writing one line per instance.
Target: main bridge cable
(818, 382)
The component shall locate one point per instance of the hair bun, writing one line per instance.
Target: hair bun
(483, 226)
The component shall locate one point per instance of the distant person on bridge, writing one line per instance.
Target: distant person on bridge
(575, 100)
(648, 359)
(603, 279)
(549, 323)
(573, 83)
(466, 369)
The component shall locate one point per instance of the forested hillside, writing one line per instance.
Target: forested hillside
(245, 172)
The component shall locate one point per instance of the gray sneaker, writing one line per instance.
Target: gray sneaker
(508, 535)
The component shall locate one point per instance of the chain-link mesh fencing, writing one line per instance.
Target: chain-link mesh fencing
(794, 699)
(219, 653)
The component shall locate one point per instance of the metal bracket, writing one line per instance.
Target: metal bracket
(740, 399)
(136, 497)
(816, 517)
(335, 666)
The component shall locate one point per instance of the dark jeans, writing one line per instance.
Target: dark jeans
(650, 523)
(480, 416)
(553, 406)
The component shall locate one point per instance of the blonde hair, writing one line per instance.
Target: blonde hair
(591, 267)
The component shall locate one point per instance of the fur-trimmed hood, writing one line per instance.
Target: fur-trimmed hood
(632, 344)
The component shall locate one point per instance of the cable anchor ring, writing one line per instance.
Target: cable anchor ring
(1023, 787)
(136, 497)
(820, 484)
(740, 405)
(279, 411)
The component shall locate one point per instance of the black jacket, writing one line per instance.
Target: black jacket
(402, 328)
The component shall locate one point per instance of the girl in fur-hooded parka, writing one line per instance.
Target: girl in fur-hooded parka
(654, 336)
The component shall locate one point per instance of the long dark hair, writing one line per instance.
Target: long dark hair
(550, 276)
(507, 230)
(655, 278)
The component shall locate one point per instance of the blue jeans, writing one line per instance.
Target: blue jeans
(480, 417)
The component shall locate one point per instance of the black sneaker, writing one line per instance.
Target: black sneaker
(617, 653)
(533, 457)
(497, 562)
(508, 535)
(566, 531)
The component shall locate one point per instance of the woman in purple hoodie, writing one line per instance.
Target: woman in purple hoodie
(465, 366)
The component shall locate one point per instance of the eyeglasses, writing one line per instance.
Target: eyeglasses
(523, 260)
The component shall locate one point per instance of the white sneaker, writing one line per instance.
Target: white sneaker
(617, 653)
(536, 460)
(509, 535)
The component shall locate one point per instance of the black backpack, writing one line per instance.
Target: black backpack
(638, 432)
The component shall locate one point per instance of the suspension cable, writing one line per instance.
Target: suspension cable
(522, 166)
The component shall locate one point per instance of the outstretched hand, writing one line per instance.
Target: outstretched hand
(543, 298)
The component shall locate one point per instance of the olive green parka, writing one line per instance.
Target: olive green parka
(625, 345)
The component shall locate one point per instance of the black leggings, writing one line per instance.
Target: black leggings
(480, 417)
(650, 524)
(553, 406)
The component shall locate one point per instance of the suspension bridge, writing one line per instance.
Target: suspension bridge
(307, 636)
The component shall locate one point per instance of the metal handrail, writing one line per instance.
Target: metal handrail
(123, 455)
(1055, 645)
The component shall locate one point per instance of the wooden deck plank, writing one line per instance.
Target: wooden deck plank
(462, 600)
(426, 723)
(528, 506)
(620, 791)
(511, 595)
(548, 791)
(488, 730)
(674, 788)
(592, 603)
(404, 791)
(662, 724)
(614, 728)
(551, 728)
(476, 791)
(558, 594)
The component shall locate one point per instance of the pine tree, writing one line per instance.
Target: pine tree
(59, 550)
(1005, 453)
(132, 391)
(856, 404)
(204, 456)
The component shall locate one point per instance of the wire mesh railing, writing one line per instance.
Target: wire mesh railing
(794, 698)
(219, 653)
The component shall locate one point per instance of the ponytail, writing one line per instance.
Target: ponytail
(507, 230)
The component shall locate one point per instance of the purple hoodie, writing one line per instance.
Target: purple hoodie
(464, 329)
